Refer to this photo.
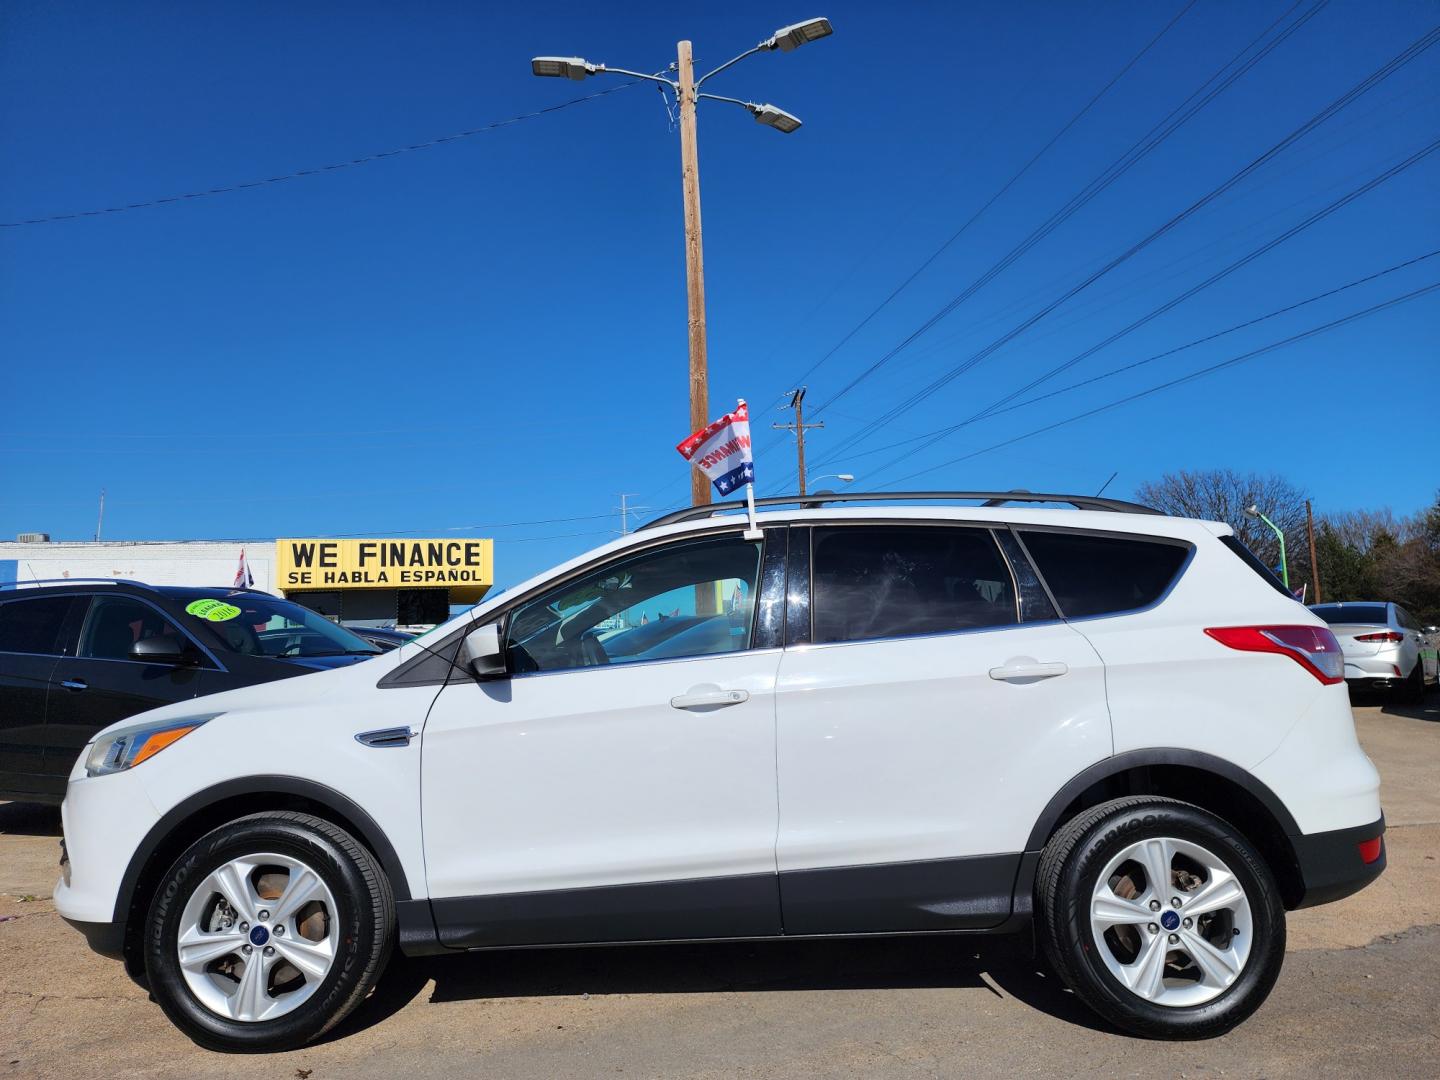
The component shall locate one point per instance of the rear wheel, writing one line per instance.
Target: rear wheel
(267, 931)
(1161, 917)
(1412, 691)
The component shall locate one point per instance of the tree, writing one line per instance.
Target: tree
(1224, 495)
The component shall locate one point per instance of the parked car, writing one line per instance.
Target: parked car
(1113, 726)
(1385, 647)
(383, 638)
(77, 657)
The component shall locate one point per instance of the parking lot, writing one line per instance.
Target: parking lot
(1358, 993)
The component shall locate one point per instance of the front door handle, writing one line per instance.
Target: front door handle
(75, 684)
(709, 697)
(1026, 671)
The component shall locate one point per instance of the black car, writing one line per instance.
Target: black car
(382, 637)
(77, 657)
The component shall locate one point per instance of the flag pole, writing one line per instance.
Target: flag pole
(753, 532)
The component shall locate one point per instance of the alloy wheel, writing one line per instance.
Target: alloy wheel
(1171, 922)
(257, 937)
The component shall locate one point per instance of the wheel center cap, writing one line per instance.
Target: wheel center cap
(1169, 921)
(259, 935)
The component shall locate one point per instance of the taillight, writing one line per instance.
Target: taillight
(1388, 635)
(1312, 647)
(1369, 850)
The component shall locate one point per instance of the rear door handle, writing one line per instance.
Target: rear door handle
(1023, 671)
(709, 697)
(75, 684)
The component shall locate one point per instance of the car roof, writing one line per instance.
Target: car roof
(71, 585)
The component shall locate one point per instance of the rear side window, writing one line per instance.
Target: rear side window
(886, 581)
(33, 626)
(1103, 575)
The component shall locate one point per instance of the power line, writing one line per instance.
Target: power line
(1414, 50)
(1146, 144)
(1156, 312)
(1075, 119)
(1134, 365)
(320, 170)
(1192, 376)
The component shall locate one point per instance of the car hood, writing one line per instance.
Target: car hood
(326, 679)
(324, 663)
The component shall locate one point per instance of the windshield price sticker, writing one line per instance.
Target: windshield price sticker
(212, 610)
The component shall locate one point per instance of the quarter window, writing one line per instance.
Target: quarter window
(689, 599)
(1102, 575)
(116, 623)
(888, 581)
(33, 626)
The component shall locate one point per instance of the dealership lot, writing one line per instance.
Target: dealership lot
(1358, 990)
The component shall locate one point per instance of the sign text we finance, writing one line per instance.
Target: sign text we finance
(383, 563)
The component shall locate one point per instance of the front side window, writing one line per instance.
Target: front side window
(1103, 575)
(33, 626)
(116, 623)
(884, 581)
(695, 598)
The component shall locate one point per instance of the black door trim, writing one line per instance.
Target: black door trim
(745, 905)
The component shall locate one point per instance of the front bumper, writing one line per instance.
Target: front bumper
(1332, 865)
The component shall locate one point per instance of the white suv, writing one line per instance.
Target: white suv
(1104, 723)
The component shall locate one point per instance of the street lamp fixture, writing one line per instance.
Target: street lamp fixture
(789, 38)
(563, 67)
(778, 119)
(843, 477)
(686, 89)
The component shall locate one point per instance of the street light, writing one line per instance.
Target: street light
(843, 477)
(687, 94)
(1254, 512)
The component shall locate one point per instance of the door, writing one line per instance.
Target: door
(100, 684)
(34, 632)
(619, 784)
(922, 729)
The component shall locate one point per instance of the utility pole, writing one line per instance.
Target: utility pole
(687, 93)
(797, 402)
(626, 510)
(1314, 562)
(100, 522)
(694, 260)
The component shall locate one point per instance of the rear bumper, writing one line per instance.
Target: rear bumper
(1331, 864)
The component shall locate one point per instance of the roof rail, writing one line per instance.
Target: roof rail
(121, 581)
(989, 498)
(74, 581)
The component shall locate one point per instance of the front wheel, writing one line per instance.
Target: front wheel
(1161, 917)
(267, 931)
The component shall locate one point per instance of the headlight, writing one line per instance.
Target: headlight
(123, 749)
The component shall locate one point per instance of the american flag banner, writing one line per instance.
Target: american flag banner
(721, 450)
(243, 578)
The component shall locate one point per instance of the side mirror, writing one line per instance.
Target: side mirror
(162, 649)
(484, 653)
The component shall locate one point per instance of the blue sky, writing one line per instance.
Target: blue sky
(492, 331)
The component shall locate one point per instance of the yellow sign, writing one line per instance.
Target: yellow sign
(466, 567)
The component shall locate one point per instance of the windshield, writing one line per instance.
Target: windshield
(268, 626)
(1340, 614)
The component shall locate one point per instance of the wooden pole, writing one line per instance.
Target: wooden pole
(800, 437)
(694, 263)
(1314, 562)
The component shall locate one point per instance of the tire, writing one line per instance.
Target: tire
(1412, 691)
(338, 925)
(1177, 996)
